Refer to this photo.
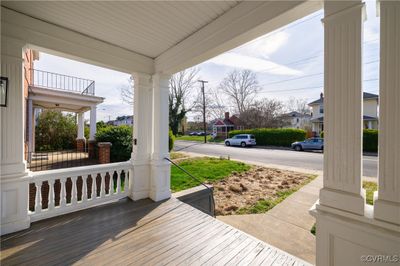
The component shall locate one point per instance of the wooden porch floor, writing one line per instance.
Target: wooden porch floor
(138, 233)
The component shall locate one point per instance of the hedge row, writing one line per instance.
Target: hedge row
(370, 140)
(121, 140)
(273, 136)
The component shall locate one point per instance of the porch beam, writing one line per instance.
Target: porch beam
(60, 41)
(142, 135)
(387, 200)
(343, 107)
(160, 168)
(245, 22)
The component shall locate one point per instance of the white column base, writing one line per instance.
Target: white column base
(386, 210)
(343, 238)
(140, 185)
(343, 200)
(160, 180)
(14, 204)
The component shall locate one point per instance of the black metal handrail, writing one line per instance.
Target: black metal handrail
(197, 180)
(50, 80)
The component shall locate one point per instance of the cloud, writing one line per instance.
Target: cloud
(370, 35)
(264, 46)
(232, 59)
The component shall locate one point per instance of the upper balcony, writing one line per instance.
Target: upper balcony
(56, 81)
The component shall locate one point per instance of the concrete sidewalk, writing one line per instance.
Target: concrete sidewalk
(287, 226)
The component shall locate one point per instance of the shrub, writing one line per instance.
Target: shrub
(121, 140)
(370, 140)
(55, 131)
(171, 140)
(273, 136)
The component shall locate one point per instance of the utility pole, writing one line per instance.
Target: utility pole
(204, 109)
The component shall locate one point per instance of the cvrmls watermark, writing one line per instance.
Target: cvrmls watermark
(380, 258)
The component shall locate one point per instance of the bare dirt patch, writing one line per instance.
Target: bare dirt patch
(244, 190)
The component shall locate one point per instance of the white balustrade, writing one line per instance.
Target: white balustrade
(75, 197)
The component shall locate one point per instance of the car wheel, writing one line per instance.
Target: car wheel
(243, 144)
(227, 143)
(297, 148)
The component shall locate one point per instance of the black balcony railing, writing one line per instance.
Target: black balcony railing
(49, 160)
(49, 80)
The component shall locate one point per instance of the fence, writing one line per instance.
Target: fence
(41, 161)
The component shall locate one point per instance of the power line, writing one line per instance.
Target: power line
(306, 76)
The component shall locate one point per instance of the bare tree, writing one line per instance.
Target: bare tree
(215, 107)
(297, 105)
(127, 92)
(241, 87)
(264, 113)
(181, 87)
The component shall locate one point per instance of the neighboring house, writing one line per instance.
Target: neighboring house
(221, 127)
(53, 91)
(297, 120)
(370, 112)
(122, 120)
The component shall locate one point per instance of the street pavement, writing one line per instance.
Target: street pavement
(276, 156)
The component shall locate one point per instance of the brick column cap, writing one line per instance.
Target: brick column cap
(104, 144)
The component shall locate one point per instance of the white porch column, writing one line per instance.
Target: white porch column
(142, 136)
(30, 128)
(343, 107)
(160, 168)
(387, 200)
(92, 122)
(81, 126)
(13, 175)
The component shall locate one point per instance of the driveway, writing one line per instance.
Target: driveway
(306, 160)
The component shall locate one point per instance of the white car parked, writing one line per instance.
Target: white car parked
(241, 140)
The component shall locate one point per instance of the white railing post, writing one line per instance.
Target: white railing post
(103, 185)
(84, 188)
(38, 198)
(387, 200)
(63, 194)
(74, 191)
(50, 204)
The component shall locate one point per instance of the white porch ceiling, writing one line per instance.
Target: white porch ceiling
(147, 28)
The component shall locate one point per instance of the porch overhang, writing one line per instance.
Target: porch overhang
(62, 100)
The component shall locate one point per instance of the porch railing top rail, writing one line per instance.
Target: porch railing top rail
(78, 171)
(50, 80)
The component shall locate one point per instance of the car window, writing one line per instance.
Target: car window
(315, 140)
(234, 137)
(308, 140)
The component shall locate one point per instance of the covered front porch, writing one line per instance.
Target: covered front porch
(151, 47)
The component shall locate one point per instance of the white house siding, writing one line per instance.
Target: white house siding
(370, 107)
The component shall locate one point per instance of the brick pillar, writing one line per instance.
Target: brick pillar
(81, 145)
(92, 149)
(104, 152)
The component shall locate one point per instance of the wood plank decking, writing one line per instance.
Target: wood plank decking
(138, 233)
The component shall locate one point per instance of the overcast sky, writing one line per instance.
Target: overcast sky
(288, 62)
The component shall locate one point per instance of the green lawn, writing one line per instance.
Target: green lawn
(197, 138)
(205, 169)
(370, 188)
